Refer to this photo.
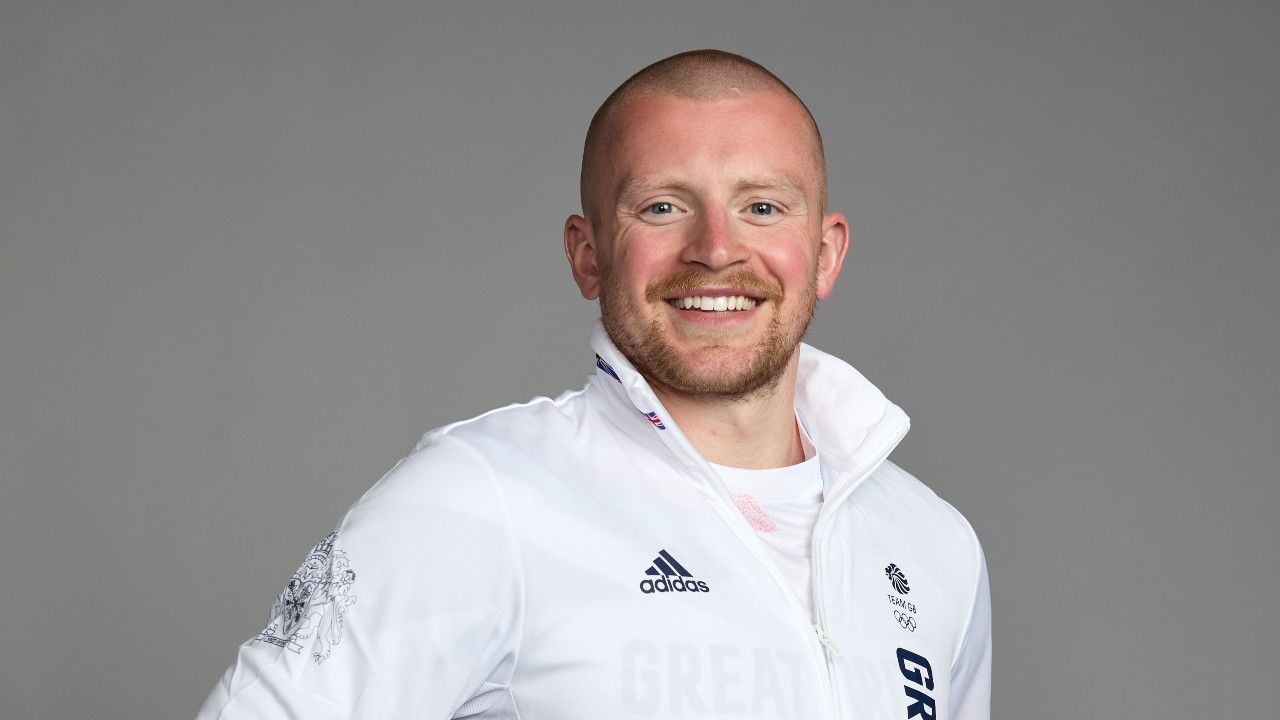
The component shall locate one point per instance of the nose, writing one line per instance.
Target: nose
(713, 242)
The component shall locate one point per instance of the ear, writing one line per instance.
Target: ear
(831, 250)
(580, 250)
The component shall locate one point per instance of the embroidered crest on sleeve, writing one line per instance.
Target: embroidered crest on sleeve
(311, 607)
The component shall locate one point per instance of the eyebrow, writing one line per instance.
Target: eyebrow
(769, 182)
(639, 184)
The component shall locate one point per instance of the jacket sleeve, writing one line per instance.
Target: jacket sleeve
(971, 668)
(412, 607)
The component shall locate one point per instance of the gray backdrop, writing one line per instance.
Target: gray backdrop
(251, 251)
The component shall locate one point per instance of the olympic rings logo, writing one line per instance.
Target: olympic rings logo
(905, 620)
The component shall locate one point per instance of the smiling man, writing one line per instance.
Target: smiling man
(709, 528)
(708, 247)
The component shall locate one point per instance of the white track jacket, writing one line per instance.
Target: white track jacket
(577, 559)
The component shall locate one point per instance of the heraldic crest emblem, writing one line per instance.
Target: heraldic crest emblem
(309, 611)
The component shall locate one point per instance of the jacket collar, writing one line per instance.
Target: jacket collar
(852, 424)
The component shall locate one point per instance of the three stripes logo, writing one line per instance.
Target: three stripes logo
(668, 575)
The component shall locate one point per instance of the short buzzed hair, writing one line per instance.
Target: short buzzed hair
(696, 75)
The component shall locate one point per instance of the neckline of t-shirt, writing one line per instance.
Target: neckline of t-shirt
(802, 481)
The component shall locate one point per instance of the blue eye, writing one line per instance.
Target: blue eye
(661, 208)
(763, 209)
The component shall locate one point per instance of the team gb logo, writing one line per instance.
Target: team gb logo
(897, 578)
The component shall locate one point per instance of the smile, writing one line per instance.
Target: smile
(707, 303)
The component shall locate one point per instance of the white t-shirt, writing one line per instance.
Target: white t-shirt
(781, 505)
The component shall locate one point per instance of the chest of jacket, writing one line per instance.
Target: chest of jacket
(650, 599)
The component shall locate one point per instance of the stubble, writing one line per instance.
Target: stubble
(734, 378)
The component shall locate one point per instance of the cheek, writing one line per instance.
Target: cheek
(790, 260)
(640, 261)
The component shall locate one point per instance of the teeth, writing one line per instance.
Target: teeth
(707, 303)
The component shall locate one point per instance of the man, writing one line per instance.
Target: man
(709, 528)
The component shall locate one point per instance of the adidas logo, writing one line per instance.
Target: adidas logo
(669, 576)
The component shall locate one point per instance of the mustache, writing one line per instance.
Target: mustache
(691, 278)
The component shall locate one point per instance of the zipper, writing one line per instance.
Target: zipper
(830, 645)
(825, 644)
(831, 651)
(827, 647)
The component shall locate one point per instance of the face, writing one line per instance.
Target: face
(710, 248)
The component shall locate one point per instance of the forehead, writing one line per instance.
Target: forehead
(764, 134)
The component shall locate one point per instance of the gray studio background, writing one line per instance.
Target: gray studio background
(251, 251)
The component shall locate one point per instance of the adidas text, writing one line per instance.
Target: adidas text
(676, 584)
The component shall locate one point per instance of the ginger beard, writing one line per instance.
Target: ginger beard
(646, 344)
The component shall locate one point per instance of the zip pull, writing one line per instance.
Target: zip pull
(832, 649)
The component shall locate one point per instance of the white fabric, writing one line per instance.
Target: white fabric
(498, 571)
(781, 505)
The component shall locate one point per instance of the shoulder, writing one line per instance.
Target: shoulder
(405, 530)
(519, 433)
(441, 473)
(452, 468)
(442, 491)
(924, 521)
(908, 495)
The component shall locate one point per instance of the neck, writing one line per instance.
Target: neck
(757, 431)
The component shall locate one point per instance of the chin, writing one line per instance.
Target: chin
(710, 363)
(722, 372)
